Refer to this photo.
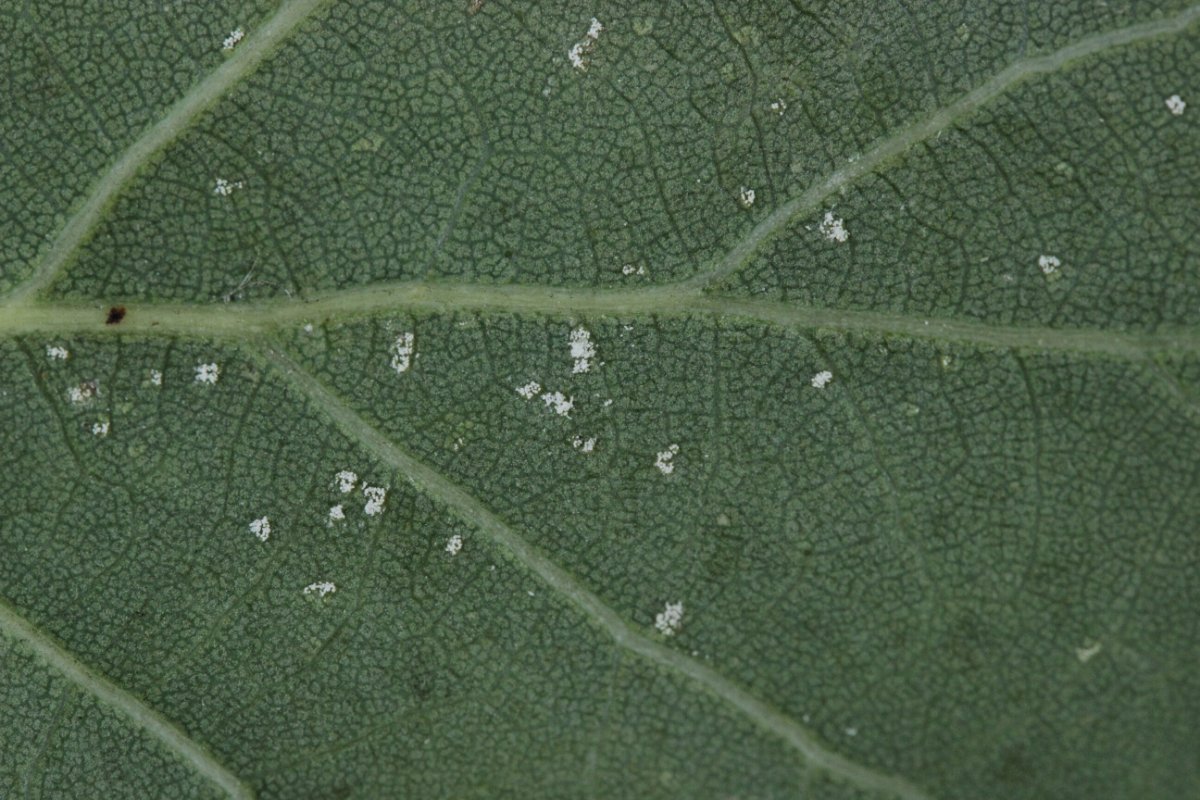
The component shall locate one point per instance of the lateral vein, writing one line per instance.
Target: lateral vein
(156, 725)
(471, 509)
(244, 60)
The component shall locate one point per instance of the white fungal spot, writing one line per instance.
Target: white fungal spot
(584, 445)
(530, 390)
(207, 373)
(779, 106)
(156, 377)
(231, 41)
(630, 269)
(100, 428)
(746, 197)
(584, 47)
(308, 327)
(57, 353)
(664, 461)
(375, 496)
(83, 392)
(1176, 105)
(402, 353)
(558, 403)
(336, 514)
(321, 588)
(582, 350)
(345, 481)
(261, 528)
(834, 228)
(454, 545)
(852, 731)
(669, 619)
(1085, 654)
(1049, 264)
(821, 379)
(223, 187)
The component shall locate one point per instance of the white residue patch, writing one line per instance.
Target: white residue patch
(83, 392)
(223, 187)
(321, 588)
(558, 403)
(375, 496)
(454, 545)
(1085, 654)
(207, 373)
(664, 461)
(100, 428)
(834, 228)
(821, 379)
(584, 445)
(582, 350)
(578, 52)
(57, 353)
(530, 390)
(336, 514)
(1049, 264)
(669, 619)
(746, 197)
(402, 353)
(156, 377)
(261, 528)
(231, 41)
(1176, 105)
(345, 481)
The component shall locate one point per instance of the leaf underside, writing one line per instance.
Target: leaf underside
(757, 400)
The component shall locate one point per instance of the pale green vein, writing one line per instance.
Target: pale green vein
(247, 321)
(894, 145)
(469, 508)
(17, 627)
(243, 60)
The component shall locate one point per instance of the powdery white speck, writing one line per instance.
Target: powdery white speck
(100, 428)
(582, 48)
(1049, 264)
(608, 402)
(746, 197)
(1085, 654)
(584, 445)
(454, 545)
(664, 459)
(530, 390)
(261, 528)
(375, 496)
(669, 619)
(582, 350)
(224, 188)
(560, 404)
(822, 379)
(1176, 105)
(345, 481)
(834, 228)
(321, 588)
(402, 352)
(779, 106)
(82, 393)
(156, 377)
(231, 41)
(852, 731)
(336, 513)
(308, 327)
(207, 373)
(56, 352)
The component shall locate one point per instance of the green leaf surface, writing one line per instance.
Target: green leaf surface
(665, 400)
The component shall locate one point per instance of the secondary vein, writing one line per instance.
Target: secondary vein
(178, 118)
(15, 626)
(471, 509)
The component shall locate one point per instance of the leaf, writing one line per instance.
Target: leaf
(627, 400)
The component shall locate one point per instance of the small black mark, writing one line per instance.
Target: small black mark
(115, 315)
